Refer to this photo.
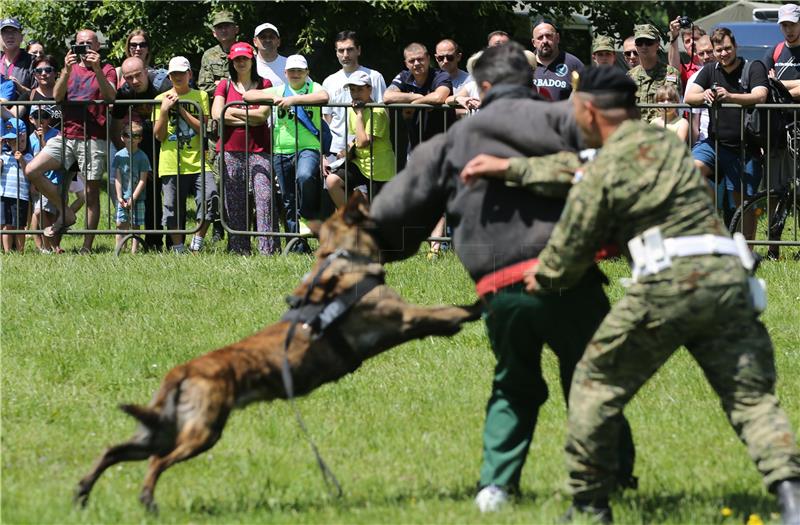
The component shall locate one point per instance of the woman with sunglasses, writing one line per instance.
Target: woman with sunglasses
(246, 136)
(44, 71)
(137, 44)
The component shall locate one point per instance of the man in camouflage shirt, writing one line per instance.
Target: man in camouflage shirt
(695, 294)
(651, 73)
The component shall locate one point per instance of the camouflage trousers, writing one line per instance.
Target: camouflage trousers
(723, 334)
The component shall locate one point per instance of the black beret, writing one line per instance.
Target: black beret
(615, 86)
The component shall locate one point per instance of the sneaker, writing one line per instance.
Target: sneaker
(491, 498)
(197, 244)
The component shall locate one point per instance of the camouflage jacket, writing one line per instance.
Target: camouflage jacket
(648, 82)
(213, 66)
(643, 176)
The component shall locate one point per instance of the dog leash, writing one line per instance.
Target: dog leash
(288, 383)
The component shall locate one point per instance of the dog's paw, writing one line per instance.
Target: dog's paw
(146, 498)
(472, 312)
(81, 495)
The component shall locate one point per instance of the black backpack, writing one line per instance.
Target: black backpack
(758, 135)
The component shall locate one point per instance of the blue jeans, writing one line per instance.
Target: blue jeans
(308, 185)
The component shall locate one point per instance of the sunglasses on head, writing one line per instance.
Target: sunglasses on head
(442, 58)
(139, 45)
(631, 54)
(43, 70)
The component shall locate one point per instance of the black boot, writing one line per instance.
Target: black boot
(788, 493)
(597, 511)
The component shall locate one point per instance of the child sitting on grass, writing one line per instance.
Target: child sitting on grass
(130, 168)
(672, 120)
(14, 187)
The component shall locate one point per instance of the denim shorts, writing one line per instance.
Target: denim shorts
(13, 212)
(730, 166)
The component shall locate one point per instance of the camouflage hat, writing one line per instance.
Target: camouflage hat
(647, 31)
(603, 43)
(222, 17)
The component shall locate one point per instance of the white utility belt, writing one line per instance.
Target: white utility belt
(651, 254)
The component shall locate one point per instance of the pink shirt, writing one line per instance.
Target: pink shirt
(83, 85)
(234, 136)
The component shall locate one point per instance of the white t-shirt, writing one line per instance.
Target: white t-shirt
(698, 112)
(334, 85)
(274, 71)
(461, 78)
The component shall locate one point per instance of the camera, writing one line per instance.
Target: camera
(78, 49)
(685, 22)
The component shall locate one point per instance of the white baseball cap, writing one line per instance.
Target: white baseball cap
(789, 13)
(178, 65)
(358, 78)
(262, 27)
(296, 62)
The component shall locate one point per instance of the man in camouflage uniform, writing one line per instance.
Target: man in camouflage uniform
(651, 73)
(603, 52)
(213, 68)
(690, 288)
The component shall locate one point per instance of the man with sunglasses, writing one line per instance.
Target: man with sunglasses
(448, 55)
(651, 73)
(629, 52)
(139, 84)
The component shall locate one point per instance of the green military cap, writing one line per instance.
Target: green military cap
(647, 31)
(602, 43)
(222, 17)
(612, 86)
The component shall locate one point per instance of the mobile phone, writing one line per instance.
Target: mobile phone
(78, 49)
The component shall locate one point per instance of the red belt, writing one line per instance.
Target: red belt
(503, 277)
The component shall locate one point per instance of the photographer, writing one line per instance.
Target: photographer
(84, 78)
(689, 34)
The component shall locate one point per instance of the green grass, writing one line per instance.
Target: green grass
(81, 334)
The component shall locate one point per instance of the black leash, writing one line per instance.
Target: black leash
(288, 383)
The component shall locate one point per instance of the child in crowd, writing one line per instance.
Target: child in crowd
(14, 187)
(44, 211)
(130, 168)
(672, 120)
(369, 155)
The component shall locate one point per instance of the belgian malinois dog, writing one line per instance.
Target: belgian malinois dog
(188, 412)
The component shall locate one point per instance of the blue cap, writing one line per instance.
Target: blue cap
(12, 128)
(10, 22)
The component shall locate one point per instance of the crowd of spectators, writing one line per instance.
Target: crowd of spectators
(318, 155)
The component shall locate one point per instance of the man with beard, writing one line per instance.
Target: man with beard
(553, 66)
(498, 231)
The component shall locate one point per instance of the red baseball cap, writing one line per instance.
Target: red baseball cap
(240, 49)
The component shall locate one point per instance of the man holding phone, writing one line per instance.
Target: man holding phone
(84, 78)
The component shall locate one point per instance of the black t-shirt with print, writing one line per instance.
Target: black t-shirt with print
(787, 67)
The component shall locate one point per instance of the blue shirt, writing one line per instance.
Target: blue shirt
(130, 169)
(554, 81)
(53, 176)
(13, 183)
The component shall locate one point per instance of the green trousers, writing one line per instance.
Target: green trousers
(721, 331)
(518, 325)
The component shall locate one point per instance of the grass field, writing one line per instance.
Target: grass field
(81, 334)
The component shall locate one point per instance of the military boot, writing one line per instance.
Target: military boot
(788, 492)
(597, 511)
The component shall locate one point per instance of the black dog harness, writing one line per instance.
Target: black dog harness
(321, 318)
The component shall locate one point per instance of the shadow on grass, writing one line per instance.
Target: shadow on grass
(683, 506)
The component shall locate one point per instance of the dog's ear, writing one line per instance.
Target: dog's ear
(356, 209)
(315, 227)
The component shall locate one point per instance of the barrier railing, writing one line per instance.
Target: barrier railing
(779, 190)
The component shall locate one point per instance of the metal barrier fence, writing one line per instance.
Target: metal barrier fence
(769, 217)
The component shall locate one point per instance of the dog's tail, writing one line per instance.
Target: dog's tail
(162, 407)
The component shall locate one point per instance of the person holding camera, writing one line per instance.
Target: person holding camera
(85, 78)
(682, 28)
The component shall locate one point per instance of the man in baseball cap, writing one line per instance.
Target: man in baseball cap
(603, 51)
(789, 13)
(269, 64)
(651, 73)
(15, 62)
